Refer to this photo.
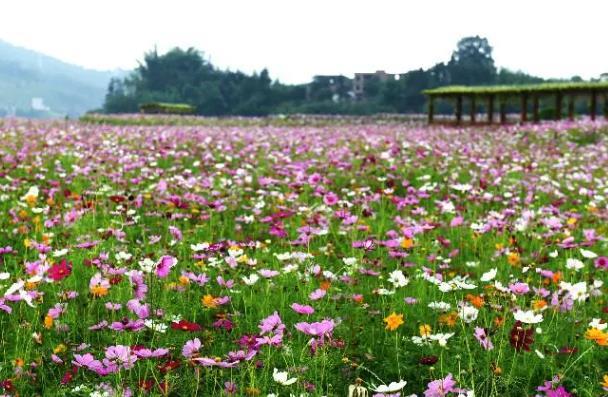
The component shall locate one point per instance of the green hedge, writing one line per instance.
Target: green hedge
(166, 108)
(517, 89)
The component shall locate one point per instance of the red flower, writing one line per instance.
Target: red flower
(186, 326)
(60, 270)
(521, 338)
(168, 366)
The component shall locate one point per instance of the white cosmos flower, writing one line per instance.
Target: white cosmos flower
(574, 264)
(441, 339)
(577, 291)
(281, 377)
(528, 317)
(393, 387)
(597, 323)
(489, 275)
(58, 253)
(468, 313)
(5, 276)
(199, 247)
(588, 254)
(398, 279)
(440, 306)
(156, 326)
(147, 265)
(252, 279)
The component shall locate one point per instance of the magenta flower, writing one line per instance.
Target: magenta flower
(163, 267)
(191, 348)
(119, 357)
(601, 262)
(302, 309)
(330, 199)
(440, 387)
(482, 338)
(319, 329)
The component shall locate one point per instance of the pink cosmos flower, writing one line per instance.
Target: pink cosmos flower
(601, 262)
(191, 348)
(482, 338)
(440, 387)
(330, 198)
(318, 329)
(317, 294)
(164, 266)
(302, 309)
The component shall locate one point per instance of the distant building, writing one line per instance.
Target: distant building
(38, 104)
(604, 77)
(363, 79)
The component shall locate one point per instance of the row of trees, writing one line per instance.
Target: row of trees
(184, 76)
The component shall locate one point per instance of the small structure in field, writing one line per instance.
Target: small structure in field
(533, 93)
(166, 108)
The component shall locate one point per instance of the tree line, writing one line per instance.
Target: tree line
(185, 76)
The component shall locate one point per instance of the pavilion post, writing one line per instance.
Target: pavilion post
(606, 105)
(571, 107)
(535, 106)
(458, 109)
(490, 109)
(593, 106)
(558, 105)
(503, 111)
(473, 109)
(524, 108)
(431, 109)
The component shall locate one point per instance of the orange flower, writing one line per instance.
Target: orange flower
(539, 304)
(209, 301)
(393, 321)
(48, 322)
(448, 319)
(513, 258)
(499, 321)
(475, 300)
(598, 336)
(407, 243)
(325, 285)
(99, 290)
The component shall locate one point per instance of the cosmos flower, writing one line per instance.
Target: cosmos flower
(302, 309)
(393, 321)
(164, 265)
(281, 377)
(185, 325)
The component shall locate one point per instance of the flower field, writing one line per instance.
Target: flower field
(367, 259)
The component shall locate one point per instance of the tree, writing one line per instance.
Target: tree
(472, 62)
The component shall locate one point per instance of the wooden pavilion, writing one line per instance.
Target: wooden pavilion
(493, 95)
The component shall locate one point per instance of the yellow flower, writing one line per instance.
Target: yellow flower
(209, 301)
(571, 221)
(60, 348)
(393, 321)
(48, 322)
(513, 258)
(183, 280)
(598, 336)
(407, 243)
(425, 330)
(98, 290)
(605, 382)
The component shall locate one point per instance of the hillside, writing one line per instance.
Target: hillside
(64, 89)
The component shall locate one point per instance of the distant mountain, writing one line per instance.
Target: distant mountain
(37, 85)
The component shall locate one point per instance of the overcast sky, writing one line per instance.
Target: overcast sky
(298, 39)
